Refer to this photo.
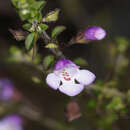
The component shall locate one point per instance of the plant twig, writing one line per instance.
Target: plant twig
(34, 46)
(113, 92)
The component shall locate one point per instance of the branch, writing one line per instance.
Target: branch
(111, 91)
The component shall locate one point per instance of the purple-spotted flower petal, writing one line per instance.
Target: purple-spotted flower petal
(6, 89)
(68, 78)
(95, 33)
(12, 122)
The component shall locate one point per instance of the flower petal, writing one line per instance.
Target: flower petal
(63, 63)
(71, 89)
(53, 81)
(85, 77)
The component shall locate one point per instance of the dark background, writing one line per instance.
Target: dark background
(113, 15)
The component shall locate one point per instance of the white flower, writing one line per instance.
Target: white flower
(68, 78)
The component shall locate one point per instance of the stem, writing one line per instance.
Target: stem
(106, 90)
(34, 46)
(57, 52)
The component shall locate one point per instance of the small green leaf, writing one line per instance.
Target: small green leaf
(52, 16)
(115, 104)
(27, 26)
(51, 45)
(14, 50)
(122, 43)
(43, 27)
(81, 62)
(57, 30)
(29, 41)
(48, 60)
(39, 4)
(91, 104)
(100, 83)
(36, 80)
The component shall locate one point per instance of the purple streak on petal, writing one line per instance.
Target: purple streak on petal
(6, 89)
(53, 81)
(95, 33)
(71, 89)
(63, 63)
(85, 77)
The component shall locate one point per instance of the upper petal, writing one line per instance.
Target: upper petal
(63, 63)
(53, 81)
(85, 77)
(71, 89)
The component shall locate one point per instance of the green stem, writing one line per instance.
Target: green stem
(35, 46)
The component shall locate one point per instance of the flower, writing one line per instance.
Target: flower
(6, 89)
(68, 78)
(11, 122)
(95, 33)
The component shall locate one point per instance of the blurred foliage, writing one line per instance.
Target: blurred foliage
(80, 61)
(106, 102)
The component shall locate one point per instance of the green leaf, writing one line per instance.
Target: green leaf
(122, 43)
(38, 4)
(29, 41)
(52, 16)
(57, 30)
(81, 62)
(92, 104)
(14, 50)
(15, 2)
(115, 104)
(36, 80)
(24, 14)
(48, 60)
(43, 27)
(51, 45)
(27, 26)
(100, 83)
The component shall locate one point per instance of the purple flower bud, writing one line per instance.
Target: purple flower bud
(6, 89)
(95, 33)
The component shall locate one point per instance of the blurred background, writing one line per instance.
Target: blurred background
(43, 108)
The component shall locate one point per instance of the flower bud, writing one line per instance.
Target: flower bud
(11, 122)
(6, 89)
(95, 33)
